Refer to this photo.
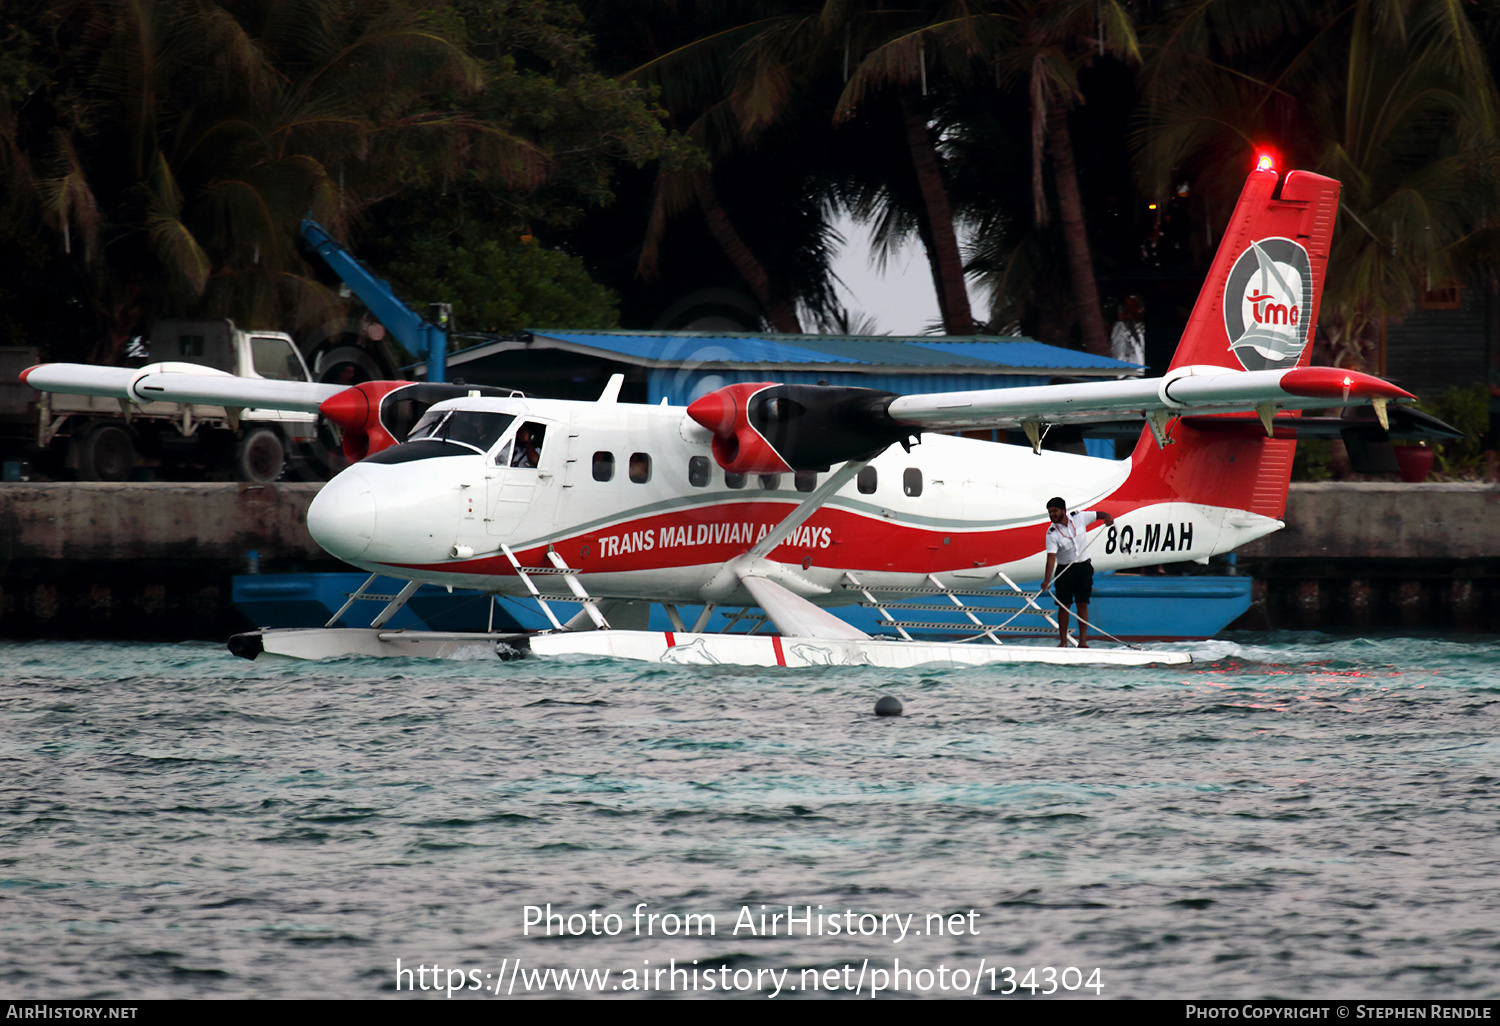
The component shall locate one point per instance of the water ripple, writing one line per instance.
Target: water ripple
(1293, 814)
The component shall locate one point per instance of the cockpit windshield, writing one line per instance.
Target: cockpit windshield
(472, 428)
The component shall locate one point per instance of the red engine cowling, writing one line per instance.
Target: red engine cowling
(766, 428)
(356, 411)
(738, 447)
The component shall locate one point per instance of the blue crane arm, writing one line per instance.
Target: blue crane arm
(411, 329)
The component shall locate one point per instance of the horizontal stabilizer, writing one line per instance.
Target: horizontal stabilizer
(1406, 424)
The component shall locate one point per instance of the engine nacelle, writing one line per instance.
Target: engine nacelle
(766, 428)
(376, 415)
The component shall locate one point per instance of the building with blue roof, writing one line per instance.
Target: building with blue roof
(681, 366)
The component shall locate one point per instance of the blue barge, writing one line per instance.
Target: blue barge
(1131, 606)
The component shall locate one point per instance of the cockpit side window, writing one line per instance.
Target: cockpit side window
(528, 450)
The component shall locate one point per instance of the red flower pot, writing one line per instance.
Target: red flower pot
(1415, 462)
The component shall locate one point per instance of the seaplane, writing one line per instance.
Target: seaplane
(797, 499)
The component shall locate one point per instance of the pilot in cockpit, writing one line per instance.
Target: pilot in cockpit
(528, 448)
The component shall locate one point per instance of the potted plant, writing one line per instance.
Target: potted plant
(1415, 462)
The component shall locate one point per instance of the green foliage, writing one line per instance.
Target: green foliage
(156, 156)
(1467, 408)
(541, 84)
(504, 284)
(1311, 461)
(1396, 101)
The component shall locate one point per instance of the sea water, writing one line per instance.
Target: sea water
(1292, 815)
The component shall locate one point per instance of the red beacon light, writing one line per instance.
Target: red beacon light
(1265, 163)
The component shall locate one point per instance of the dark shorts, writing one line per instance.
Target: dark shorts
(1074, 584)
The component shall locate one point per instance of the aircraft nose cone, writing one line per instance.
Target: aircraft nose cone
(342, 515)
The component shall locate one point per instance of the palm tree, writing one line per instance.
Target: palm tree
(884, 54)
(691, 72)
(896, 55)
(1394, 100)
(202, 132)
(1057, 39)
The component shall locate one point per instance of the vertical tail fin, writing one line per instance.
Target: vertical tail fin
(1258, 311)
(1259, 306)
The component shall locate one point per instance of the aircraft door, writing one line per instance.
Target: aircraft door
(523, 478)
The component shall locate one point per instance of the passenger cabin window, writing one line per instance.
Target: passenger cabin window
(770, 482)
(640, 467)
(604, 466)
(734, 480)
(911, 481)
(866, 481)
(528, 451)
(700, 471)
(806, 480)
(470, 428)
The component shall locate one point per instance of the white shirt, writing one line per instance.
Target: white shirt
(1128, 342)
(1067, 538)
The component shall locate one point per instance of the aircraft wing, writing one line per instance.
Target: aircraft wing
(179, 383)
(1192, 390)
(770, 428)
(363, 412)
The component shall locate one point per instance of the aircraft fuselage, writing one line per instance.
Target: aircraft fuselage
(632, 499)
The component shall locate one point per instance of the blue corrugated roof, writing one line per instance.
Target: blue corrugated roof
(981, 353)
(1023, 352)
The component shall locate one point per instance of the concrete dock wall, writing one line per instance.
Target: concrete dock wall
(154, 561)
(142, 561)
(1380, 556)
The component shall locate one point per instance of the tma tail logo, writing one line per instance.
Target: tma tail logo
(1267, 305)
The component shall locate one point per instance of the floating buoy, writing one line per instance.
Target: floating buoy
(888, 706)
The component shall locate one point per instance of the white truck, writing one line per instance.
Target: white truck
(101, 439)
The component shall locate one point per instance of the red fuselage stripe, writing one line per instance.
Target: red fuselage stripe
(708, 535)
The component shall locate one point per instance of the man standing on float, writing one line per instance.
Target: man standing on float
(1066, 544)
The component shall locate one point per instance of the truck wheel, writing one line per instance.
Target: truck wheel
(260, 456)
(107, 453)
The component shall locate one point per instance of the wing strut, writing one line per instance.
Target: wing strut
(806, 508)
